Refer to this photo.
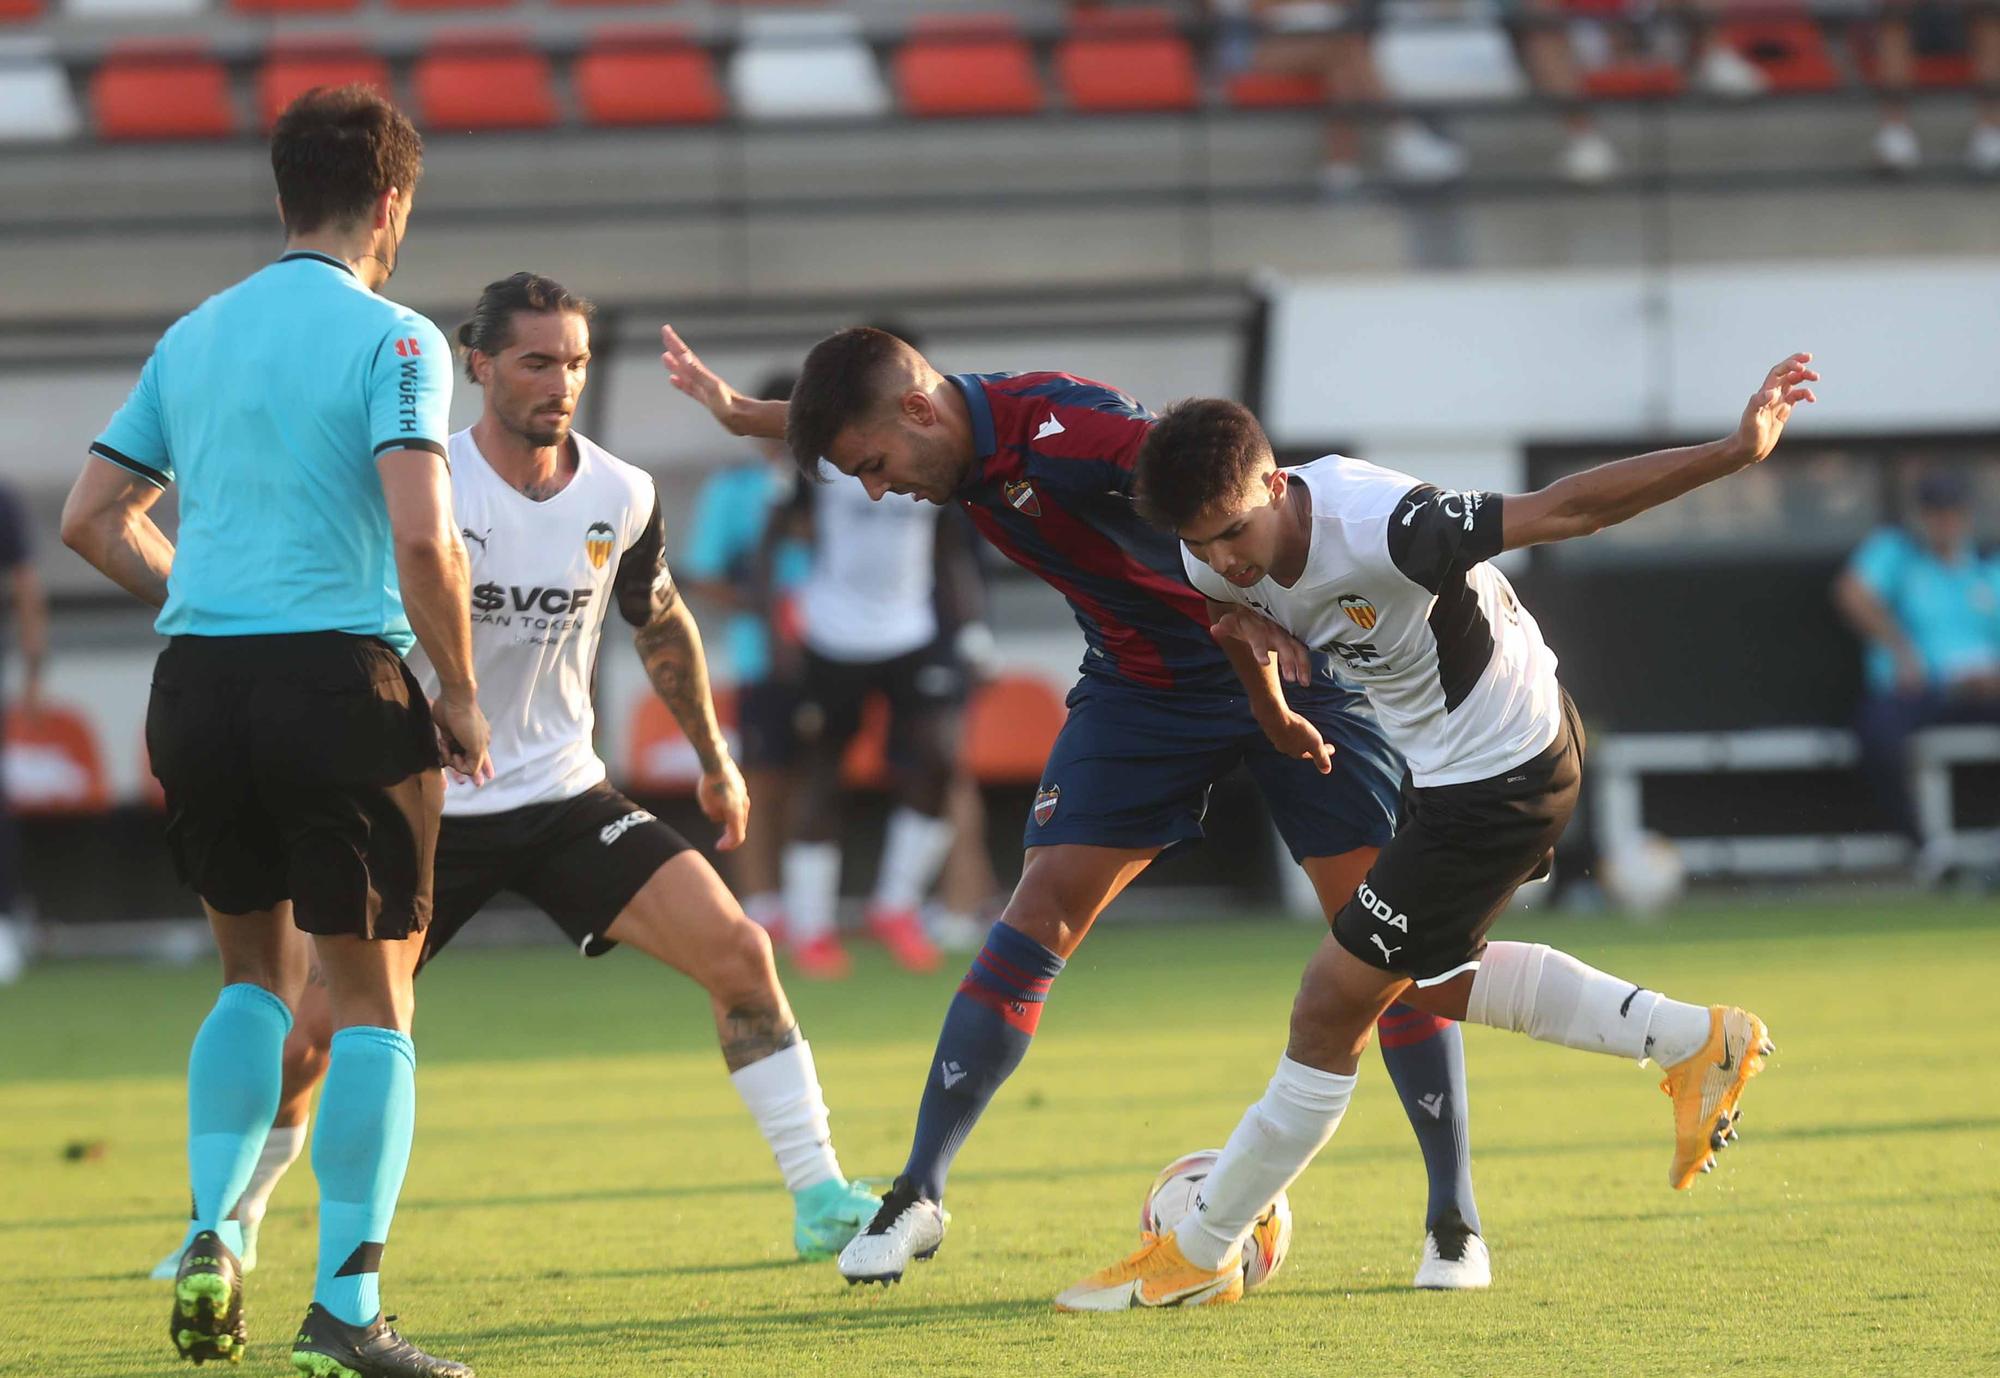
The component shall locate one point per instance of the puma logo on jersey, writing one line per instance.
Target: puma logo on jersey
(1049, 427)
(473, 538)
(611, 832)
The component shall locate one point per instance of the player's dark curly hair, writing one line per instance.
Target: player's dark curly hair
(335, 149)
(1201, 453)
(843, 380)
(491, 328)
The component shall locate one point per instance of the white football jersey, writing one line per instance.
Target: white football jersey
(1397, 588)
(872, 591)
(544, 576)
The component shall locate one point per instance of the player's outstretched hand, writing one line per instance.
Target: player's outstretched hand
(1764, 419)
(1265, 639)
(687, 372)
(726, 801)
(462, 736)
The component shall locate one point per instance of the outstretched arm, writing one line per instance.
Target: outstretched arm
(670, 646)
(735, 413)
(1616, 492)
(1264, 654)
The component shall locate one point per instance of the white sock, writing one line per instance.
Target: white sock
(1277, 1137)
(282, 1147)
(912, 855)
(1531, 988)
(812, 889)
(783, 1096)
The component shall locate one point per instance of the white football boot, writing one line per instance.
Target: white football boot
(906, 1227)
(1455, 1260)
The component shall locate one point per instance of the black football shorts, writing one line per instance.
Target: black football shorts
(301, 767)
(1456, 860)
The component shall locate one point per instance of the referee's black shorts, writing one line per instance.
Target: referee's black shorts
(1458, 856)
(300, 767)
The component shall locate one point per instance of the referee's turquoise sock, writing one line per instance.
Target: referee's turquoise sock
(367, 1114)
(235, 1075)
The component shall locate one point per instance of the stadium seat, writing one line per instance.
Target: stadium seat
(1009, 727)
(1792, 52)
(1472, 61)
(646, 76)
(21, 11)
(1275, 90)
(161, 91)
(658, 759)
(1125, 60)
(35, 100)
(1633, 80)
(967, 65)
(292, 69)
(483, 81)
(805, 66)
(450, 4)
(285, 8)
(52, 763)
(133, 9)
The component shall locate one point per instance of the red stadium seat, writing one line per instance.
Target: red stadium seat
(292, 7)
(1792, 53)
(484, 81)
(660, 761)
(646, 76)
(967, 65)
(1276, 90)
(1634, 80)
(451, 4)
(1126, 59)
(1009, 727)
(292, 69)
(21, 11)
(161, 91)
(53, 766)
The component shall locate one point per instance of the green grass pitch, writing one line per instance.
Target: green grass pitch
(588, 1198)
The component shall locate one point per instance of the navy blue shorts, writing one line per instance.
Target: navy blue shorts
(1133, 767)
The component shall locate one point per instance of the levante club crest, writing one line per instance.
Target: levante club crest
(1359, 611)
(597, 543)
(1045, 804)
(1021, 497)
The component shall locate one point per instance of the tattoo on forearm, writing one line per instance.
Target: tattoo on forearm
(674, 662)
(751, 1033)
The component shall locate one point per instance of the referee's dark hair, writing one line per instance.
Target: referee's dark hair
(843, 380)
(491, 328)
(1201, 454)
(335, 149)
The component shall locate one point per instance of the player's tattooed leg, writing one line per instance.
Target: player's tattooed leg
(752, 1031)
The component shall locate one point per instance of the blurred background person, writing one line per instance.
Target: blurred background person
(747, 554)
(28, 608)
(1926, 601)
(1909, 32)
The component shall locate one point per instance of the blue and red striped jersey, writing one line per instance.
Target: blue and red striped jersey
(1052, 489)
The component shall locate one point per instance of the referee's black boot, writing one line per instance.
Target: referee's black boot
(207, 1319)
(328, 1347)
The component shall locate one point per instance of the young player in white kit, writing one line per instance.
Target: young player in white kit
(1391, 575)
(558, 530)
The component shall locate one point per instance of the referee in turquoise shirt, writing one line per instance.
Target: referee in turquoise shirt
(302, 417)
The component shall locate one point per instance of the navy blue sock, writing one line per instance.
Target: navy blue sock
(1426, 1059)
(986, 1034)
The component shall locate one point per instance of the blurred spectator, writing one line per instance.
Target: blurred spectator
(1331, 39)
(746, 556)
(1927, 603)
(1718, 68)
(1910, 32)
(30, 610)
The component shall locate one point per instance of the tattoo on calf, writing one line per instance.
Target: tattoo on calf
(751, 1033)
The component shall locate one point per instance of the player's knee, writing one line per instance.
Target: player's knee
(1045, 919)
(740, 963)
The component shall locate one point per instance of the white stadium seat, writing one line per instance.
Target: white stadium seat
(805, 66)
(36, 103)
(133, 9)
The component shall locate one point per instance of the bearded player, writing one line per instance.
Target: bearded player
(559, 530)
(1042, 463)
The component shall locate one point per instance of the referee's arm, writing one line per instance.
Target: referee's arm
(106, 520)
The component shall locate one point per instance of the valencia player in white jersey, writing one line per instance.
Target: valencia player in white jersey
(1391, 575)
(560, 532)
